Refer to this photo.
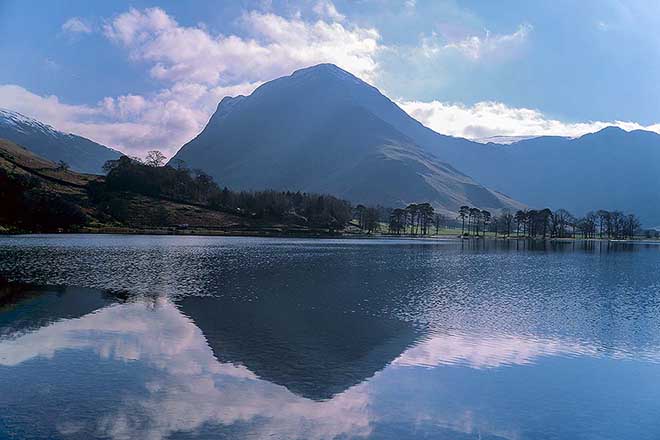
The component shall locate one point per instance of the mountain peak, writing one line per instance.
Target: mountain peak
(323, 67)
(612, 129)
(325, 70)
(21, 122)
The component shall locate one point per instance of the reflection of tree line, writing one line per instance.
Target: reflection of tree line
(554, 246)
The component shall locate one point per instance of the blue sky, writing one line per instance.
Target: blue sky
(140, 75)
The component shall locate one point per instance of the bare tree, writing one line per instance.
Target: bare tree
(154, 158)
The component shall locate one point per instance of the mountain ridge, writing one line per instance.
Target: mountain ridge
(80, 153)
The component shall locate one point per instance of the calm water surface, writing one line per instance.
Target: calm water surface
(128, 337)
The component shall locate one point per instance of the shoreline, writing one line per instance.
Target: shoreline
(276, 232)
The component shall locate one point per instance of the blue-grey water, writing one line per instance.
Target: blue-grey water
(129, 337)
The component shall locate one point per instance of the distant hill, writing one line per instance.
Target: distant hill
(80, 153)
(612, 169)
(324, 130)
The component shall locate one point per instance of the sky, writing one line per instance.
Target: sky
(144, 75)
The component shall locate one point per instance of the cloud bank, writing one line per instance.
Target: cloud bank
(488, 119)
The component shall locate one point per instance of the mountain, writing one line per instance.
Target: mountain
(321, 129)
(80, 153)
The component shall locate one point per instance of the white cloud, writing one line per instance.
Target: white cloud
(277, 45)
(476, 47)
(325, 8)
(602, 26)
(131, 123)
(486, 119)
(76, 25)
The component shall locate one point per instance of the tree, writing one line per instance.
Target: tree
(154, 158)
(474, 219)
(425, 216)
(360, 212)
(463, 213)
(439, 221)
(62, 166)
(496, 225)
(507, 220)
(398, 221)
(531, 220)
(544, 216)
(616, 225)
(413, 211)
(369, 219)
(632, 225)
(588, 225)
(603, 220)
(561, 220)
(486, 217)
(520, 218)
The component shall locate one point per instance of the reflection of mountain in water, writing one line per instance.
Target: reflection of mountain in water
(142, 369)
(314, 353)
(24, 308)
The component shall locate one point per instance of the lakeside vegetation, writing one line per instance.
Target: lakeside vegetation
(181, 184)
(149, 195)
(39, 196)
(420, 219)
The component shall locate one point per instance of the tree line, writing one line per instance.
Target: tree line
(177, 182)
(416, 218)
(421, 219)
(546, 223)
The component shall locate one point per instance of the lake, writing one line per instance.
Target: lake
(151, 337)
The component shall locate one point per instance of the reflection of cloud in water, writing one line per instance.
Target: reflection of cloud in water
(478, 351)
(191, 388)
(497, 350)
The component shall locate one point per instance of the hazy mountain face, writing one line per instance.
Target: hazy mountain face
(611, 169)
(324, 130)
(79, 153)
